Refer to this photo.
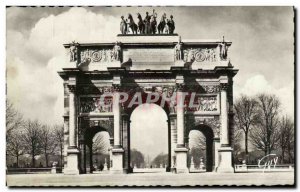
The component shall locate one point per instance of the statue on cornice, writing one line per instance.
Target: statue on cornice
(116, 51)
(223, 50)
(171, 24)
(178, 50)
(73, 51)
(123, 25)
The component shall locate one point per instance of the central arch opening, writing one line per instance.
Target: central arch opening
(149, 139)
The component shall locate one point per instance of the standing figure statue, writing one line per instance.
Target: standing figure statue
(223, 50)
(150, 22)
(132, 25)
(162, 24)
(116, 52)
(141, 24)
(178, 50)
(171, 25)
(153, 23)
(73, 51)
(123, 25)
(147, 23)
(190, 55)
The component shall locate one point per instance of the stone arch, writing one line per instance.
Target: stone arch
(213, 123)
(89, 134)
(144, 96)
(130, 112)
(207, 131)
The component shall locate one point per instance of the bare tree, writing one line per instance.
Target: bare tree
(14, 145)
(100, 143)
(245, 115)
(286, 138)
(59, 140)
(265, 134)
(236, 142)
(199, 140)
(13, 119)
(48, 142)
(32, 139)
(197, 145)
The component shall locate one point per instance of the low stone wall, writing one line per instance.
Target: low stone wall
(32, 170)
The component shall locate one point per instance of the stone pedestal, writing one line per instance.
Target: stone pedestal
(72, 158)
(117, 160)
(201, 166)
(105, 165)
(179, 63)
(181, 160)
(244, 166)
(225, 165)
(192, 165)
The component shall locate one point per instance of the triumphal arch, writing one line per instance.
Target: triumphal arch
(190, 79)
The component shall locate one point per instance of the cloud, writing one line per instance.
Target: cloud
(33, 60)
(258, 84)
(35, 52)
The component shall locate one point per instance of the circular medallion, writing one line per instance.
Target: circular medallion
(96, 56)
(199, 56)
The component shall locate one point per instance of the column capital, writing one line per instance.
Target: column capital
(117, 87)
(72, 88)
(224, 86)
(180, 86)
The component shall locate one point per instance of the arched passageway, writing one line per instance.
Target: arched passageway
(201, 149)
(149, 142)
(97, 148)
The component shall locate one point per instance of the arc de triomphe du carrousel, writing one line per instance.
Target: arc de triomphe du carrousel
(190, 79)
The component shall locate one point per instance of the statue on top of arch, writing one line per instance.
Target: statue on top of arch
(148, 25)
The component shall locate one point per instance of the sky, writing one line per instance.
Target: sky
(149, 132)
(262, 48)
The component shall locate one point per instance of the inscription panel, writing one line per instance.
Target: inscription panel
(148, 55)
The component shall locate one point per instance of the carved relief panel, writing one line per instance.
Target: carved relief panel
(96, 104)
(203, 103)
(99, 55)
(200, 55)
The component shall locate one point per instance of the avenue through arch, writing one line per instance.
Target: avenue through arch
(149, 134)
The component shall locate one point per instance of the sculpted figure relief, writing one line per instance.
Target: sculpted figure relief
(73, 51)
(153, 23)
(94, 105)
(116, 51)
(207, 103)
(199, 55)
(178, 50)
(223, 50)
(123, 25)
(148, 25)
(162, 24)
(171, 25)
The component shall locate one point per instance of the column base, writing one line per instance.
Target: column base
(72, 162)
(225, 165)
(181, 160)
(117, 161)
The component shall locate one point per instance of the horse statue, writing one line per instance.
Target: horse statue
(141, 24)
(132, 25)
(123, 26)
(162, 24)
